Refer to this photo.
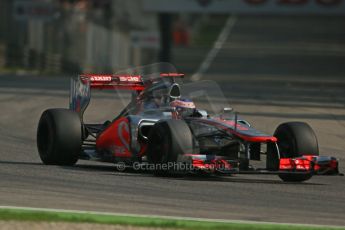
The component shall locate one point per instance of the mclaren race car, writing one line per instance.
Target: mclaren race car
(164, 129)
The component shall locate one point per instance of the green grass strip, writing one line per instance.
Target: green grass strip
(52, 216)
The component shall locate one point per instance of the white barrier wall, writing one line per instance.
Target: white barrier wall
(106, 48)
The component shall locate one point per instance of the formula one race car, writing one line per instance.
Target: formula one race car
(162, 127)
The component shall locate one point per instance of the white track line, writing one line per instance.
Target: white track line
(218, 44)
(160, 217)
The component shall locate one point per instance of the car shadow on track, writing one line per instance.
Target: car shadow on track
(129, 172)
(19, 163)
(90, 167)
(237, 179)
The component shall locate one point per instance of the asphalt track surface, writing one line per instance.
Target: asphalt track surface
(271, 69)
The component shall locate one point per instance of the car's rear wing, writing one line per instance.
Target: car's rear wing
(130, 82)
(101, 81)
(81, 86)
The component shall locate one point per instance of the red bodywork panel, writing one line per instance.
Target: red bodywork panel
(115, 139)
(109, 81)
(316, 164)
(257, 138)
(305, 164)
(120, 81)
(299, 164)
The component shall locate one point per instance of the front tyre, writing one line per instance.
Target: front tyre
(294, 140)
(59, 137)
(167, 141)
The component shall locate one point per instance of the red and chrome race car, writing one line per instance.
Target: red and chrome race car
(162, 127)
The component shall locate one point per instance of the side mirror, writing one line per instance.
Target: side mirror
(228, 110)
(228, 114)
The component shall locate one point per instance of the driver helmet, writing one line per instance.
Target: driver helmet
(184, 107)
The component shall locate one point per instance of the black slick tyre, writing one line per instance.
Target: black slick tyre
(294, 140)
(168, 140)
(59, 137)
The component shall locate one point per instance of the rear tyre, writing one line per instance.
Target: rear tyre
(167, 141)
(59, 137)
(294, 140)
